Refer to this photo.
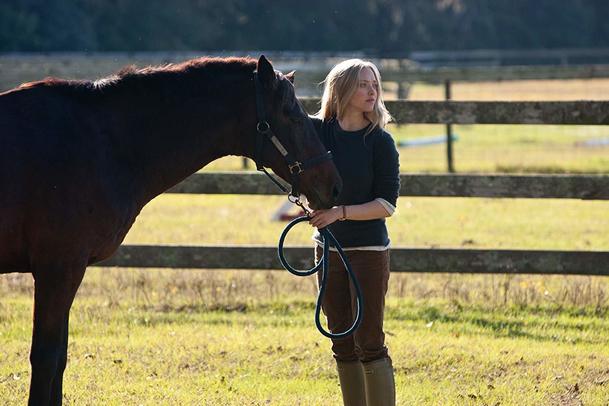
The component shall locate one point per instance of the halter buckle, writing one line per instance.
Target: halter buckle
(295, 165)
(263, 126)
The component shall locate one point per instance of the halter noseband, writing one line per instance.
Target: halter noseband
(263, 129)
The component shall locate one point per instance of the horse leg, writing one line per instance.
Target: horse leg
(57, 385)
(54, 293)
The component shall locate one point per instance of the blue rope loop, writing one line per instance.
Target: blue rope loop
(323, 265)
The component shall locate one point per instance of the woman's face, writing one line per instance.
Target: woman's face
(364, 98)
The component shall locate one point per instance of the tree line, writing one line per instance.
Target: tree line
(375, 26)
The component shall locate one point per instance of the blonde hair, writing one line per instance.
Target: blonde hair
(340, 85)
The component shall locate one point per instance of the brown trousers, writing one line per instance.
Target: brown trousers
(339, 304)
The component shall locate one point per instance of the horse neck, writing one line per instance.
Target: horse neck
(170, 137)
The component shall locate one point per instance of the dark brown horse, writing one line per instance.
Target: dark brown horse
(79, 160)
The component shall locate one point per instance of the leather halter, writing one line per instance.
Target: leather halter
(263, 130)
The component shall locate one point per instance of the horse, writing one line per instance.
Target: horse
(80, 159)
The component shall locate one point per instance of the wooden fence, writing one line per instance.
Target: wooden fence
(492, 74)
(585, 187)
(311, 68)
(496, 57)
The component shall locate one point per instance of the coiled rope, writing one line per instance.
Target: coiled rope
(323, 265)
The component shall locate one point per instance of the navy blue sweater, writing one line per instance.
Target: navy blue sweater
(369, 166)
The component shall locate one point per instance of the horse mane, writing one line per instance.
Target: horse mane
(47, 82)
(206, 66)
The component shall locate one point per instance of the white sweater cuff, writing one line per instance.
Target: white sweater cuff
(388, 206)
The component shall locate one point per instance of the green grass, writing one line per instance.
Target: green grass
(269, 353)
(427, 222)
(507, 149)
(493, 149)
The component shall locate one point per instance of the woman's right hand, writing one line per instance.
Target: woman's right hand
(325, 217)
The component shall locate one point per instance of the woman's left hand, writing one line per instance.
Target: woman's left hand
(322, 218)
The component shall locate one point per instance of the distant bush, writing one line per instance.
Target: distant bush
(322, 25)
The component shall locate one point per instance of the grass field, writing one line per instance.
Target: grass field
(445, 354)
(495, 149)
(248, 337)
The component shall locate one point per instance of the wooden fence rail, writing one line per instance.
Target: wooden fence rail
(402, 259)
(491, 112)
(23, 67)
(509, 56)
(493, 74)
(587, 187)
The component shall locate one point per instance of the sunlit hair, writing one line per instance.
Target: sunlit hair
(340, 85)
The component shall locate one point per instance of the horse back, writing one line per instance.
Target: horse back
(40, 142)
(53, 191)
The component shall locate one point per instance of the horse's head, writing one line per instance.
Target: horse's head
(316, 176)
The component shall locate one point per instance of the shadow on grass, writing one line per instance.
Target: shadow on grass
(552, 324)
(536, 324)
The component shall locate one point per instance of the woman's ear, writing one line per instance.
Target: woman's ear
(266, 73)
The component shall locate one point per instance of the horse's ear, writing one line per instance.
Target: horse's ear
(290, 76)
(266, 73)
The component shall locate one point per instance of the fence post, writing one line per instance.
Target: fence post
(403, 90)
(449, 132)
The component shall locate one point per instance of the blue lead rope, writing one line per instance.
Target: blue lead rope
(323, 264)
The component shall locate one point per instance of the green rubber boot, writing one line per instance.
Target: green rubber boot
(351, 378)
(379, 383)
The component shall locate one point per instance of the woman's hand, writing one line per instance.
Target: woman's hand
(322, 218)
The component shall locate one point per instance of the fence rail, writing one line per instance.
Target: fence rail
(587, 187)
(492, 74)
(459, 112)
(509, 56)
(16, 68)
(403, 259)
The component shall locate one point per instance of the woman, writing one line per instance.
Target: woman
(351, 124)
